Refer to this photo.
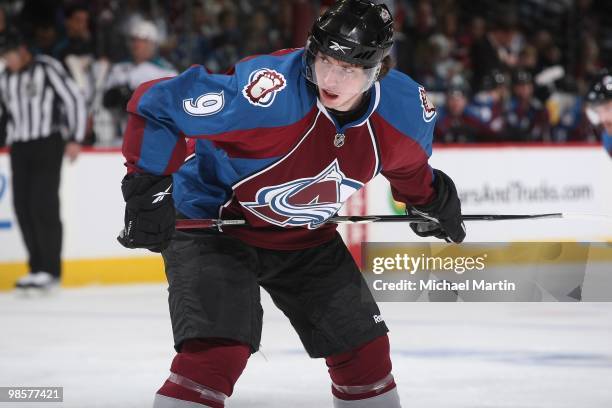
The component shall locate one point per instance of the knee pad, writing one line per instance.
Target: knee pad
(362, 373)
(205, 371)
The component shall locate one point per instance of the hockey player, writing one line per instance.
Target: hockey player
(144, 65)
(282, 141)
(488, 106)
(526, 118)
(599, 107)
(455, 123)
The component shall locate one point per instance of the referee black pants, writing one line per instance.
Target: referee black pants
(36, 167)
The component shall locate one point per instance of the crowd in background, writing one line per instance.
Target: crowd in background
(497, 71)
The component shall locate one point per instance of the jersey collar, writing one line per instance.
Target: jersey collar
(374, 100)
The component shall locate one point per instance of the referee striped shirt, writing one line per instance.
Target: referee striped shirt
(42, 100)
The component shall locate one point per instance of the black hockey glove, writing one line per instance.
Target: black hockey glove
(149, 212)
(117, 97)
(444, 211)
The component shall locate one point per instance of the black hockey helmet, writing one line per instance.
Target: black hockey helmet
(601, 89)
(521, 76)
(355, 31)
(494, 79)
(598, 96)
(458, 85)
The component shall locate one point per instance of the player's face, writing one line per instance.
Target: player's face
(523, 91)
(604, 111)
(77, 25)
(12, 59)
(142, 50)
(341, 85)
(456, 104)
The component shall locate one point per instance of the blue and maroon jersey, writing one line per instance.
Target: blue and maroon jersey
(264, 149)
(463, 128)
(527, 121)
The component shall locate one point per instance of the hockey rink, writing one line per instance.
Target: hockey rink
(111, 346)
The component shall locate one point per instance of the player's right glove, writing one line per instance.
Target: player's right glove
(444, 211)
(149, 212)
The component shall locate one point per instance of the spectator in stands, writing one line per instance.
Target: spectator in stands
(450, 30)
(588, 65)
(124, 77)
(77, 40)
(499, 49)
(599, 107)
(76, 52)
(488, 106)
(475, 34)
(528, 59)
(442, 65)
(36, 20)
(192, 43)
(262, 34)
(548, 52)
(455, 123)
(227, 45)
(45, 37)
(526, 118)
(416, 48)
(574, 124)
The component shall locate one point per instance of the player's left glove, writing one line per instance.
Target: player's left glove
(149, 212)
(444, 212)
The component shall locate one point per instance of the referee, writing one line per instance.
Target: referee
(46, 119)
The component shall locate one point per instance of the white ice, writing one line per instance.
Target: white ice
(111, 347)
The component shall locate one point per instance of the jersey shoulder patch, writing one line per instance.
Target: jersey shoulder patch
(273, 86)
(406, 106)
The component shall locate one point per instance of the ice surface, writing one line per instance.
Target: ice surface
(112, 346)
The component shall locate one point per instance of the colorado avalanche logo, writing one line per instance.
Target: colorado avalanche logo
(429, 110)
(263, 86)
(304, 202)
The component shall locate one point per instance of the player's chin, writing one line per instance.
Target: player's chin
(331, 100)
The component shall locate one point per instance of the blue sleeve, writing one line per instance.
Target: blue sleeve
(265, 91)
(407, 108)
(607, 142)
(405, 137)
(164, 112)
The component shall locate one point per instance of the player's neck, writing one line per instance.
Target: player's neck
(344, 117)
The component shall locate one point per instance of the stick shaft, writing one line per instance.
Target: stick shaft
(185, 224)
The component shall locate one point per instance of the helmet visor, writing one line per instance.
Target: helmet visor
(337, 76)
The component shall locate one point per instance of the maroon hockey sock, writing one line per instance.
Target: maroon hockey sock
(206, 370)
(362, 373)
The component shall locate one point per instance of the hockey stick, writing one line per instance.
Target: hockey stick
(185, 224)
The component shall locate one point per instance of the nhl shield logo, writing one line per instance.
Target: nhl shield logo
(305, 202)
(339, 140)
(263, 86)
